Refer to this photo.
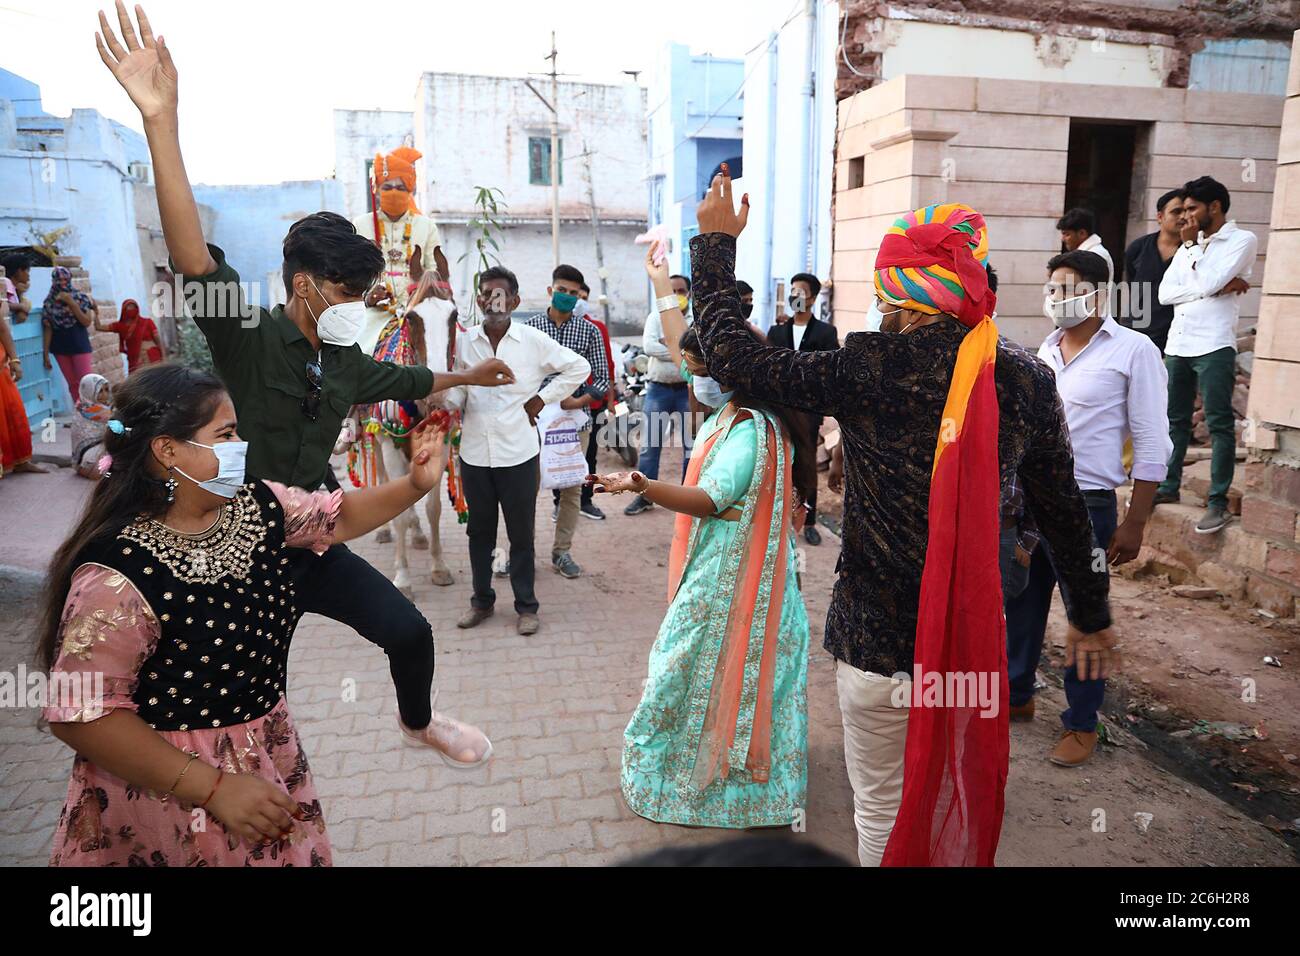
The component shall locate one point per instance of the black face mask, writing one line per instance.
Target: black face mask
(746, 309)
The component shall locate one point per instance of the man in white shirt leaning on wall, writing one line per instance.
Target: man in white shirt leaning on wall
(499, 443)
(1204, 284)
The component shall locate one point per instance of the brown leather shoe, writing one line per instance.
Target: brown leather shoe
(1022, 712)
(1074, 748)
(528, 624)
(474, 617)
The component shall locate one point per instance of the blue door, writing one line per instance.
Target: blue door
(38, 385)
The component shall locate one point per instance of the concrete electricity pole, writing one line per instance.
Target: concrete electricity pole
(595, 232)
(555, 157)
(551, 105)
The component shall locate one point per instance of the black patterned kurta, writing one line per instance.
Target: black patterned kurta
(888, 394)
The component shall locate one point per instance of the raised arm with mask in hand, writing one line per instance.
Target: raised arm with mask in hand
(143, 65)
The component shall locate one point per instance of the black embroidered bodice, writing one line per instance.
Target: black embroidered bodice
(225, 605)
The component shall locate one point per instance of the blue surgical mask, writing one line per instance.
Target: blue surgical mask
(563, 301)
(230, 468)
(708, 392)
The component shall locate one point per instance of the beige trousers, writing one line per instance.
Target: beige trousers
(570, 498)
(875, 732)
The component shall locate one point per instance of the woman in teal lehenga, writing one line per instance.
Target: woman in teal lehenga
(720, 735)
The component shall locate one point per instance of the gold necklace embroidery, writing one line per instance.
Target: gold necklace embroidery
(205, 558)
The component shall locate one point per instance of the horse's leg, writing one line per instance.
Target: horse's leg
(393, 464)
(385, 534)
(441, 574)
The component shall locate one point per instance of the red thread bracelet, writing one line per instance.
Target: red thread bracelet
(212, 792)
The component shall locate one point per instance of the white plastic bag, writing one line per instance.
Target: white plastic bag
(563, 463)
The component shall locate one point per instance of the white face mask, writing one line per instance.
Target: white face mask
(1067, 313)
(230, 468)
(339, 324)
(875, 317)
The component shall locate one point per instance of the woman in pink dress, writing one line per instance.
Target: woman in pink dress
(167, 631)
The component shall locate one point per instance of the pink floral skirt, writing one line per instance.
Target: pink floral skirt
(108, 822)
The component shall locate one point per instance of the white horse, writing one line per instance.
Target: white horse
(436, 316)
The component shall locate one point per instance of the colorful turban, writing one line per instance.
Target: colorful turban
(934, 260)
(955, 761)
(399, 164)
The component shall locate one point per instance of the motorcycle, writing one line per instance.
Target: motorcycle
(623, 433)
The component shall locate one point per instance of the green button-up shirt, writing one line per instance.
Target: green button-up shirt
(262, 358)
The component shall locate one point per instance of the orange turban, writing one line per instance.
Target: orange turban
(399, 164)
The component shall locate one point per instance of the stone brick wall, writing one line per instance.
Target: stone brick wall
(1178, 27)
(1002, 146)
(106, 357)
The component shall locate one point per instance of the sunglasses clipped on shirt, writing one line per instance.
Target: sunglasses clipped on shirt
(315, 382)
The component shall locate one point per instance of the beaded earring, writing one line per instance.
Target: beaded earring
(171, 486)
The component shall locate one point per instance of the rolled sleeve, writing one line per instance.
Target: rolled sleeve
(106, 633)
(571, 371)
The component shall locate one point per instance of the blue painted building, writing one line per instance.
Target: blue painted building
(693, 125)
(249, 223)
(80, 173)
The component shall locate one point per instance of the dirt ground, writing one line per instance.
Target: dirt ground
(1196, 701)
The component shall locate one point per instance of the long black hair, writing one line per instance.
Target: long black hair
(803, 468)
(160, 400)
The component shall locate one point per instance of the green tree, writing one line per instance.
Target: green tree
(486, 229)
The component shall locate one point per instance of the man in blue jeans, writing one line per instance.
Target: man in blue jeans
(1112, 385)
(667, 401)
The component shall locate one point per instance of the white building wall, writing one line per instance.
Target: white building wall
(785, 192)
(942, 49)
(474, 131)
(358, 136)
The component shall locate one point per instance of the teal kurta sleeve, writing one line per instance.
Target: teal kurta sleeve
(727, 476)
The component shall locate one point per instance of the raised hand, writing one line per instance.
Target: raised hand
(144, 66)
(657, 271)
(717, 212)
(427, 459)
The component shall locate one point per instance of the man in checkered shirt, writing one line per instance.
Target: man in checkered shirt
(581, 336)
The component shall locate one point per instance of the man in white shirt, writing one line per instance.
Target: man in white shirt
(499, 443)
(1078, 229)
(1112, 385)
(1204, 284)
(667, 400)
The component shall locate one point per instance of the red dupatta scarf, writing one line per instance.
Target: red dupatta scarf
(737, 726)
(955, 761)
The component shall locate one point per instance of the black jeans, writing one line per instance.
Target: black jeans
(513, 490)
(346, 588)
(814, 429)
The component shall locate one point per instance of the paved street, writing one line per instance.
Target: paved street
(555, 706)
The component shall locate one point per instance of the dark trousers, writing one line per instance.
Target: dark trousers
(664, 404)
(512, 491)
(346, 588)
(1027, 618)
(1216, 375)
(814, 428)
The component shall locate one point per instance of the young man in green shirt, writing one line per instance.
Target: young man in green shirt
(293, 374)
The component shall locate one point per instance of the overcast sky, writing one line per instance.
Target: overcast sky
(259, 79)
